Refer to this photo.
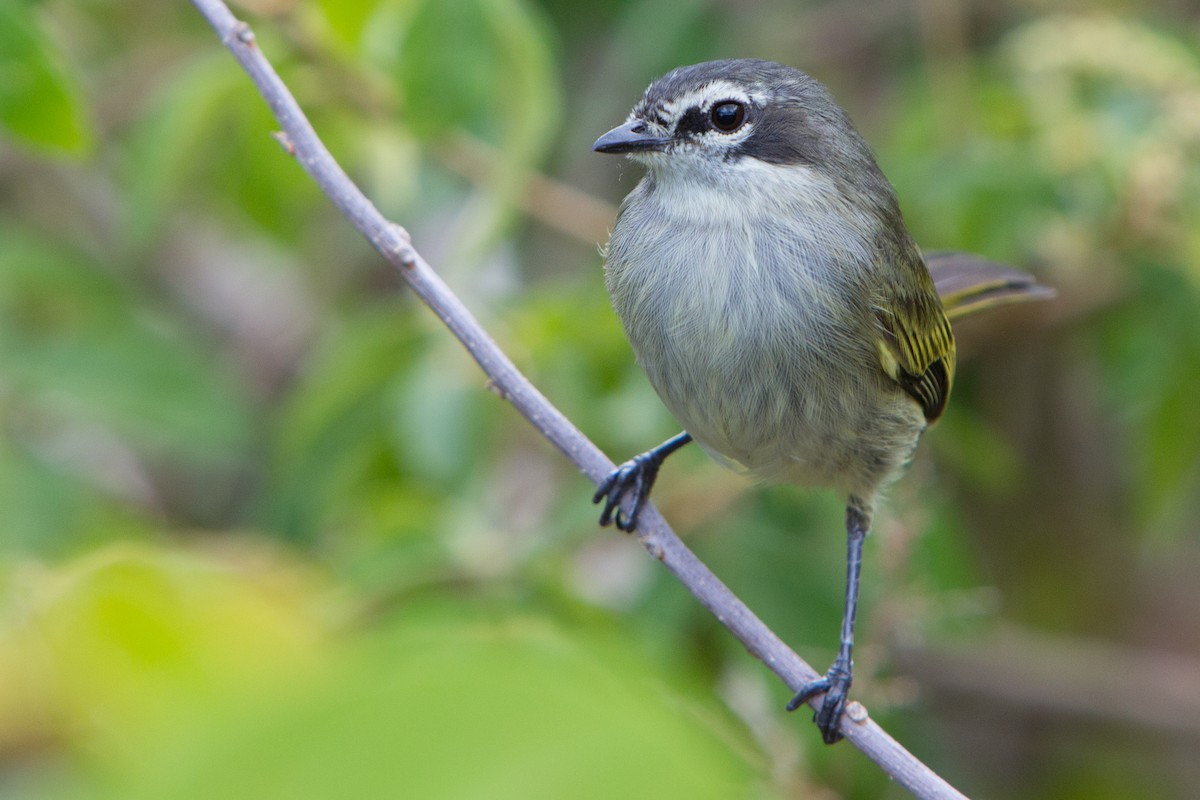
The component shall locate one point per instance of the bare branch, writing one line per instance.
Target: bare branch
(393, 243)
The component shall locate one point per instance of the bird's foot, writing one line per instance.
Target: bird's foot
(836, 688)
(635, 477)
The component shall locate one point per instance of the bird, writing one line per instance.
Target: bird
(772, 294)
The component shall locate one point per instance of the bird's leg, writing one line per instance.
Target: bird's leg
(636, 475)
(836, 683)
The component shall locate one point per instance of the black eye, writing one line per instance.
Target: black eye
(727, 117)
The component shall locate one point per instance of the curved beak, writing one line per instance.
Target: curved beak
(632, 137)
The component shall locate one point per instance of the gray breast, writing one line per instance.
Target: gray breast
(756, 332)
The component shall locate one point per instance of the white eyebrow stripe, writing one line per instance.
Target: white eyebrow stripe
(714, 92)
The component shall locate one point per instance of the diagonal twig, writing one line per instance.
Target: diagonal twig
(392, 241)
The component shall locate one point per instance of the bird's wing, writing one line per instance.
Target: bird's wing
(917, 346)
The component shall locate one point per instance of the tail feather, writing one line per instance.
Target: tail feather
(968, 284)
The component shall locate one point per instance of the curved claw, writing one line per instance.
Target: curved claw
(635, 476)
(836, 688)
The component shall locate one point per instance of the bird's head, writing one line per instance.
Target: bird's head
(719, 113)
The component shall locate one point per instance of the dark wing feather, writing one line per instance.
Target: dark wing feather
(917, 346)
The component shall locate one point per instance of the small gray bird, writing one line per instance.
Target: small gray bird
(764, 276)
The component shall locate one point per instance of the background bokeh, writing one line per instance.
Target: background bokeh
(265, 533)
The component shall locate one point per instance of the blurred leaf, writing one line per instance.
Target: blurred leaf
(349, 18)
(1099, 86)
(77, 347)
(454, 709)
(483, 66)
(176, 676)
(942, 558)
(1152, 347)
(386, 418)
(39, 101)
(980, 456)
(120, 648)
(207, 133)
(45, 509)
(164, 145)
(1119, 131)
(330, 434)
(437, 413)
(973, 177)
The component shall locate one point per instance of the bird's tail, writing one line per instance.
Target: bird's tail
(968, 284)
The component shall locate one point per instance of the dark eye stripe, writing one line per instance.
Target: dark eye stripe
(693, 121)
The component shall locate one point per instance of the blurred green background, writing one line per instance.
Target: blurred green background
(265, 533)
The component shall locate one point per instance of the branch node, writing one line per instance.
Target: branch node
(856, 712)
(242, 33)
(496, 389)
(401, 245)
(400, 231)
(655, 548)
(285, 142)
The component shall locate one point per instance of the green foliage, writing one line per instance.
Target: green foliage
(183, 676)
(505, 93)
(40, 102)
(173, 152)
(79, 343)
